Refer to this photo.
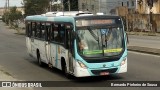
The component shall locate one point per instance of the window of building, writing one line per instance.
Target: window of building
(92, 7)
(127, 3)
(132, 3)
(122, 3)
(83, 6)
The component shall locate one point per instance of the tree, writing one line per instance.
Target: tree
(73, 5)
(34, 7)
(12, 16)
(5, 17)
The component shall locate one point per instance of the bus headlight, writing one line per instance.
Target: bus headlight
(124, 61)
(82, 65)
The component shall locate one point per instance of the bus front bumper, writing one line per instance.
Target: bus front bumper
(85, 72)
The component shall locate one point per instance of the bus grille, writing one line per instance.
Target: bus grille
(97, 72)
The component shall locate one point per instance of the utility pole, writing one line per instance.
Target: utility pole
(8, 4)
(69, 5)
(99, 5)
(50, 6)
(150, 4)
(5, 10)
(5, 6)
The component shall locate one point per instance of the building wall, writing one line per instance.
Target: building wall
(1, 11)
(140, 22)
(145, 9)
(105, 6)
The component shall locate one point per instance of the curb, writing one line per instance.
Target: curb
(147, 50)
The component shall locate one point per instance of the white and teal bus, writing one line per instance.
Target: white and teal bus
(80, 45)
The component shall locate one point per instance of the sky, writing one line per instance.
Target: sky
(11, 2)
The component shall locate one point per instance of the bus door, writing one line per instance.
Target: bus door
(33, 41)
(28, 38)
(47, 43)
(69, 42)
(54, 45)
(44, 44)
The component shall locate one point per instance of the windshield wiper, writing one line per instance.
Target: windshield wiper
(92, 33)
(94, 36)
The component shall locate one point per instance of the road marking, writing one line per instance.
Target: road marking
(139, 53)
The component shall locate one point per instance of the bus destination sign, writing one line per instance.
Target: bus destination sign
(95, 22)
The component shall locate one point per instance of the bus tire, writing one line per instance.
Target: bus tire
(40, 63)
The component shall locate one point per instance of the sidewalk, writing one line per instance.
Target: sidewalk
(144, 44)
(5, 75)
(148, 50)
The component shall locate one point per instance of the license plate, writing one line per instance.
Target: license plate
(104, 73)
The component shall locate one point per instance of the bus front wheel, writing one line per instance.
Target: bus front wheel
(64, 69)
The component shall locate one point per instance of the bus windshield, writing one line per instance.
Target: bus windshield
(99, 41)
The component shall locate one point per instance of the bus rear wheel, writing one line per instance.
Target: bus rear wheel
(40, 63)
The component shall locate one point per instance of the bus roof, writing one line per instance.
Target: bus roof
(97, 17)
(66, 17)
(44, 18)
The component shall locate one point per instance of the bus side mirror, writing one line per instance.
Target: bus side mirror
(74, 34)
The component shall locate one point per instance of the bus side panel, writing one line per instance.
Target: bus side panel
(61, 51)
(33, 47)
(53, 55)
(42, 46)
(57, 53)
(28, 45)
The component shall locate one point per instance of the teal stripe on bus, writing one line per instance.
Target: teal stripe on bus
(55, 19)
(56, 64)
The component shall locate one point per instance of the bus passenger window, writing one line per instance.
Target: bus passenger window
(33, 29)
(52, 32)
(48, 30)
(59, 37)
(38, 30)
(43, 31)
(28, 29)
(43, 34)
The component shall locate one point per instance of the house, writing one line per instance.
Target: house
(105, 6)
(143, 8)
(108, 6)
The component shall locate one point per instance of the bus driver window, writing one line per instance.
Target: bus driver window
(81, 42)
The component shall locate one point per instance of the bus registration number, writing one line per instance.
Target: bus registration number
(104, 73)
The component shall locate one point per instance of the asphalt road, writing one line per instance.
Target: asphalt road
(144, 41)
(15, 60)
